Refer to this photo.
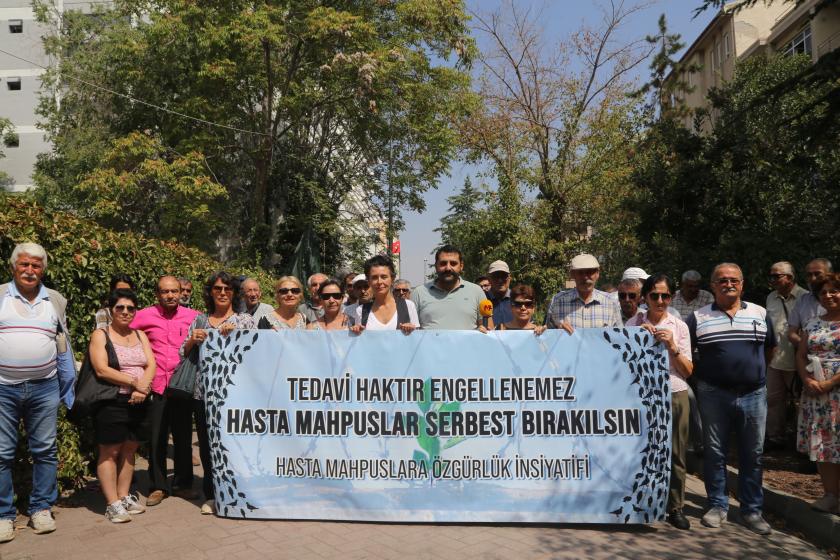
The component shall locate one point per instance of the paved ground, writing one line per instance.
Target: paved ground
(176, 530)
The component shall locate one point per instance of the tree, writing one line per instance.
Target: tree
(305, 97)
(553, 131)
(7, 136)
(761, 188)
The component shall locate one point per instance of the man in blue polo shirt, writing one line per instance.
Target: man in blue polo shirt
(734, 341)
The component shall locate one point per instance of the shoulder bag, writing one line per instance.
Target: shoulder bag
(182, 383)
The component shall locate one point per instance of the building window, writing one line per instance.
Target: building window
(727, 45)
(718, 54)
(13, 84)
(801, 43)
(15, 26)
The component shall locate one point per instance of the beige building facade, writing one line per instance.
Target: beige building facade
(738, 32)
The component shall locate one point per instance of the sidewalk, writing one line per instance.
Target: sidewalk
(176, 530)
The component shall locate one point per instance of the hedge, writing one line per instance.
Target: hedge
(82, 256)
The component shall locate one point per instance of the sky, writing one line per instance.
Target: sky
(560, 18)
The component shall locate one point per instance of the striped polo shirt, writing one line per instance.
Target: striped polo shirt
(27, 337)
(731, 348)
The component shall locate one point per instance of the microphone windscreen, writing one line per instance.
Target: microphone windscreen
(485, 308)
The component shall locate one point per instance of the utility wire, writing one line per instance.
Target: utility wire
(134, 99)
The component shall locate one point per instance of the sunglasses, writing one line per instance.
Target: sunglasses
(521, 303)
(332, 295)
(284, 291)
(361, 286)
(223, 289)
(401, 290)
(627, 295)
(657, 296)
(122, 308)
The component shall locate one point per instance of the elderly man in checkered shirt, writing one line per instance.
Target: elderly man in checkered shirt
(583, 307)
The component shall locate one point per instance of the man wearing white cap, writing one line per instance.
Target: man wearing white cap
(583, 307)
(499, 274)
(362, 293)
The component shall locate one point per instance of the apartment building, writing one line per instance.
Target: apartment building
(20, 85)
(739, 32)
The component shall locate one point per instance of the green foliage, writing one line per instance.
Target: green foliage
(140, 187)
(308, 97)
(762, 187)
(7, 136)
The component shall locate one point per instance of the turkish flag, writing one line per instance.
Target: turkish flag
(395, 247)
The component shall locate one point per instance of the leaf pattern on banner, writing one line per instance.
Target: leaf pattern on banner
(218, 369)
(649, 372)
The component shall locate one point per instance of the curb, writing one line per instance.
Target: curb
(819, 527)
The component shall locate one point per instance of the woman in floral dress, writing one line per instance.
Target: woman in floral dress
(818, 364)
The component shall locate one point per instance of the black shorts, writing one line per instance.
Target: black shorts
(117, 421)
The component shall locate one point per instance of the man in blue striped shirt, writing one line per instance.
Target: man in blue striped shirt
(734, 341)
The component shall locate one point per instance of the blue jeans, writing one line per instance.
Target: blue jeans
(723, 411)
(37, 403)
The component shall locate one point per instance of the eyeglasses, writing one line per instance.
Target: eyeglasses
(723, 281)
(123, 308)
(627, 295)
(284, 291)
(401, 290)
(223, 289)
(332, 295)
(659, 296)
(523, 303)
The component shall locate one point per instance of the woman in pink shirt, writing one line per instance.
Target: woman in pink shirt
(671, 332)
(121, 424)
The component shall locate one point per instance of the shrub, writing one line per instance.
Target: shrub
(82, 258)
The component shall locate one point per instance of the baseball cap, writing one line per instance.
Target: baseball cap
(498, 266)
(359, 278)
(634, 273)
(584, 261)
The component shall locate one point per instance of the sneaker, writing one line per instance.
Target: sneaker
(7, 530)
(208, 507)
(132, 505)
(755, 523)
(116, 513)
(827, 503)
(714, 517)
(42, 522)
(155, 498)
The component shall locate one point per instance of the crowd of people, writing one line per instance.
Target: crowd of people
(732, 363)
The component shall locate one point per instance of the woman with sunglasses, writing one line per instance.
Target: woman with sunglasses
(332, 296)
(288, 292)
(670, 331)
(121, 424)
(522, 303)
(385, 312)
(220, 292)
(818, 365)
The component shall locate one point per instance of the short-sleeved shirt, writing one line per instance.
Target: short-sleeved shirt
(779, 309)
(731, 349)
(260, 310)
(165, 334)
(502, 312)
(599, 312)
(682, 339)
(311, 312)
(807, 307)
(27, 337)
(442, 310)
(686, 308)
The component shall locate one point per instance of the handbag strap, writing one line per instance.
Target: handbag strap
(113, 360)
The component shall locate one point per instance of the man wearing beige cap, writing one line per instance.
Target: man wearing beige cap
(499, 274)
(583, 307)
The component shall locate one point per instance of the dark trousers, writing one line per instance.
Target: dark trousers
(204, 449)
(170, 416)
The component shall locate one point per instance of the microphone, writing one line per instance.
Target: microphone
(485, 309)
